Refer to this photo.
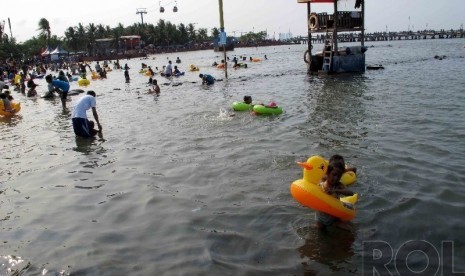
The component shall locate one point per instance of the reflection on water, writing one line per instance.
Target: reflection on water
(337, 111)
(88, 145)
(10, 121)
(332, 248)
(13, 265)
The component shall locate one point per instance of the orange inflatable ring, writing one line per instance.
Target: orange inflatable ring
(16, 107)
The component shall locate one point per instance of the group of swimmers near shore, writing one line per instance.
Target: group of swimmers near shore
(83, 127)
(22, 81)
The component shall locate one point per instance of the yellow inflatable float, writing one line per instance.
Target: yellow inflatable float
(308, 192)
(192, 68)
(16, 107)
(17, 79)
(83, 82)
(95, 75)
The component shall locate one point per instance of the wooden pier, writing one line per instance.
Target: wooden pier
(386, 36)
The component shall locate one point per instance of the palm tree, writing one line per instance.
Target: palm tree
(203, 34)
(91, 30)
(44, 28)
(215, 32)
(82, 37)
(191, 32)
(71, 38)
(118, 31)
(171, 33)
(101, 31)
(183, 33)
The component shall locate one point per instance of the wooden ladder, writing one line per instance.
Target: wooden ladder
(328, 51)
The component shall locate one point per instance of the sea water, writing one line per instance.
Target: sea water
(179, 184)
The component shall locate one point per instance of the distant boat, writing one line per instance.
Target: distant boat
(375, 67)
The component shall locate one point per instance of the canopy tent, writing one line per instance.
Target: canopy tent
(59, 50)
(47, 51)
(54, 54)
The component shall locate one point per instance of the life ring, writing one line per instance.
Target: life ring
(308, 192)
(313, 21)
(241, 106)
(95, 76)
(16, 107)
(83, 82)
(305, 56)
(192, 68)
(267, 110)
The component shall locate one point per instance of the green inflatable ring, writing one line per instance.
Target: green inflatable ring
(241, 106)
(261, 109)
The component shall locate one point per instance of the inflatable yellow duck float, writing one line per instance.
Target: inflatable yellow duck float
(14, 107)
(307, 191)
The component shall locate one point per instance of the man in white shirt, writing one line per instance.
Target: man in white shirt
(81, 125)
(169, 69)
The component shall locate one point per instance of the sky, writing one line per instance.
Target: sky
(240, 16)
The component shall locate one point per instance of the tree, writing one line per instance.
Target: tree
(44, 28)
(191, 32)
(101, 31)
(71, 38)
(203, 34)
(9, 49)
(91, 31)
(118, 31)
(81, 34)
(183, 34)
(215, 32)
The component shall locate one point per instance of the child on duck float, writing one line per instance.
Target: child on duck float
(333, 187)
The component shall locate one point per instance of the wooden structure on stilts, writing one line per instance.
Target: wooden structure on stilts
(335, 59)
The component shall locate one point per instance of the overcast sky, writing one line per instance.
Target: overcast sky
(273, 16)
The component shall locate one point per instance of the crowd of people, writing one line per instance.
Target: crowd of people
(19, 77)
(22, 79)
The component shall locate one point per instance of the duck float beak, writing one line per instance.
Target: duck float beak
(305, 165)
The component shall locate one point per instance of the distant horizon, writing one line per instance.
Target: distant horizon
(276, 35)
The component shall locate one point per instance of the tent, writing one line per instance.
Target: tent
(59, 50)
(47, 51)
(57, 53)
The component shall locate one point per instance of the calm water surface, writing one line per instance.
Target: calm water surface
(176, 186)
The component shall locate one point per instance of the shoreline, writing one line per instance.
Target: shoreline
(146, 53)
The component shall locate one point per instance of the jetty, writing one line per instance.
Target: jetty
(385, 36)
